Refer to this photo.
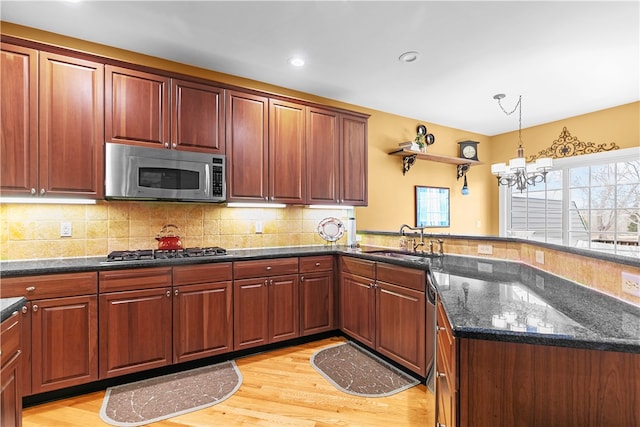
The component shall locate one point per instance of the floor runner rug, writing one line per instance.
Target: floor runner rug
(156, 399)
(354, 370)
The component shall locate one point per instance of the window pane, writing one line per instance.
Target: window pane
(603, 174)
(628, 172)
(554, 180)
(579, 177)
(580, 198)
(628, 196)
(602, 220)
(603, 197)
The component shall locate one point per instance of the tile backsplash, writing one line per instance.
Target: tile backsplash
(33, 231)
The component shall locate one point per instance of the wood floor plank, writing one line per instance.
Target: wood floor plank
(279, 388)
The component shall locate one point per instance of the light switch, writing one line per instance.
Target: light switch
(65, 229)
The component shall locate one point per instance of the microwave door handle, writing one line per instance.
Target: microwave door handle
(207, 180)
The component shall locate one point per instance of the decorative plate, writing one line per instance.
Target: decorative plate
(331, 229)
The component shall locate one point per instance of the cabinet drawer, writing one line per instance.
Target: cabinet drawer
(9, 338)
(265, 267)
(142, 278)
(204, 273)
(403, 276)
(316, 263)
(50, 285)
(359, 267)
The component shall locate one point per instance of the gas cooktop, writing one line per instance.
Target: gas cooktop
(144, 254)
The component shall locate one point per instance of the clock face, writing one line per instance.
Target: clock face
(469, 151)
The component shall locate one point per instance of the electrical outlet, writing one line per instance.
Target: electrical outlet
(65, 229)
(631, 283)
(540, 257)
(258, 227)
(485, 249)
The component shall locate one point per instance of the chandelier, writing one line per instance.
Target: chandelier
(518, 173)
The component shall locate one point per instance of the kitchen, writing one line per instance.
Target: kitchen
(106, 226)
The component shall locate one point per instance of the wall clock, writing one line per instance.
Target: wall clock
(469, 150)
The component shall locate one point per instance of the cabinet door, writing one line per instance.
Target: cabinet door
(286, 152)
(284, 304)
(357, 308)
(135, 331)
(197, 117)
(353, 160)
(250, 313)
(18, 119)
(400, 325)
(10, 394)
(71, 126)
(247, 147)
(202, 320)
(136, 107)
(316, 302)
(64, 342)
(323, 156)
(10, 357)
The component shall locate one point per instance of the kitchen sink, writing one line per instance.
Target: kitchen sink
(409, 256)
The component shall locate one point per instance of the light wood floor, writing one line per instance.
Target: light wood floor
(279, 388)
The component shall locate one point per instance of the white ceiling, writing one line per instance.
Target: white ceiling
(564, 58)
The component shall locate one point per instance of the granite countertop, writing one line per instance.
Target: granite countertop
(472, 290)
(9, 305)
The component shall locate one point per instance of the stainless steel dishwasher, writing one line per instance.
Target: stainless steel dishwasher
(431, 326)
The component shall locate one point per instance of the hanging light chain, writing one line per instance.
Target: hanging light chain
(518, 107)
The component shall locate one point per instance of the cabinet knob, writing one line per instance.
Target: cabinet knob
(266, 282)
(42, 191)
(24, 309)
(166, 145)
(271, 282)
(168, 293)
(317, 264)
(441, 375)
(30, 288)
(269, 268)
(441, 328)
(175, 292)
(35, 307)
(174, 145)
(302, 278)
(33, 191)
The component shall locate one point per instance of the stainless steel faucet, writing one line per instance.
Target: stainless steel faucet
(415, 245)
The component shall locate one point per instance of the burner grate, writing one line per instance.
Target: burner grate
(144, 254)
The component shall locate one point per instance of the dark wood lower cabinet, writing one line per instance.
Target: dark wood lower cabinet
(10, 358)
(202, 320)
(135, 325)
(383, 307)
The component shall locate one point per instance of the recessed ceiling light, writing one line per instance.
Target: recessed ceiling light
(296, 61)
(410, 56)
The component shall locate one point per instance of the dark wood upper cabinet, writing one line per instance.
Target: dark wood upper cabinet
(323, 156)
(136, 107)
(286, 152)
(52, 124)
(19, 119)
(353, 160)
(247, 147)
(197, 117)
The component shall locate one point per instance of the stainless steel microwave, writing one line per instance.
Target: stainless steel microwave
(141, 173)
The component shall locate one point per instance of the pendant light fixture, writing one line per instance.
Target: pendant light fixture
(518, 173)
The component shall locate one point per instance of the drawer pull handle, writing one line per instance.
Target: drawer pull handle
(442, 328)
(30, 288)
(317, 264)
(268, 268)
(441, 375)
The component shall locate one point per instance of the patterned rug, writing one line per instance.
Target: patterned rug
(156, 399)
(354, 370)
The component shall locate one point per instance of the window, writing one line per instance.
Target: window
(590, 202)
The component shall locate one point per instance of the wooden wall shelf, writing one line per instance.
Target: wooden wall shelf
(409, 157)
